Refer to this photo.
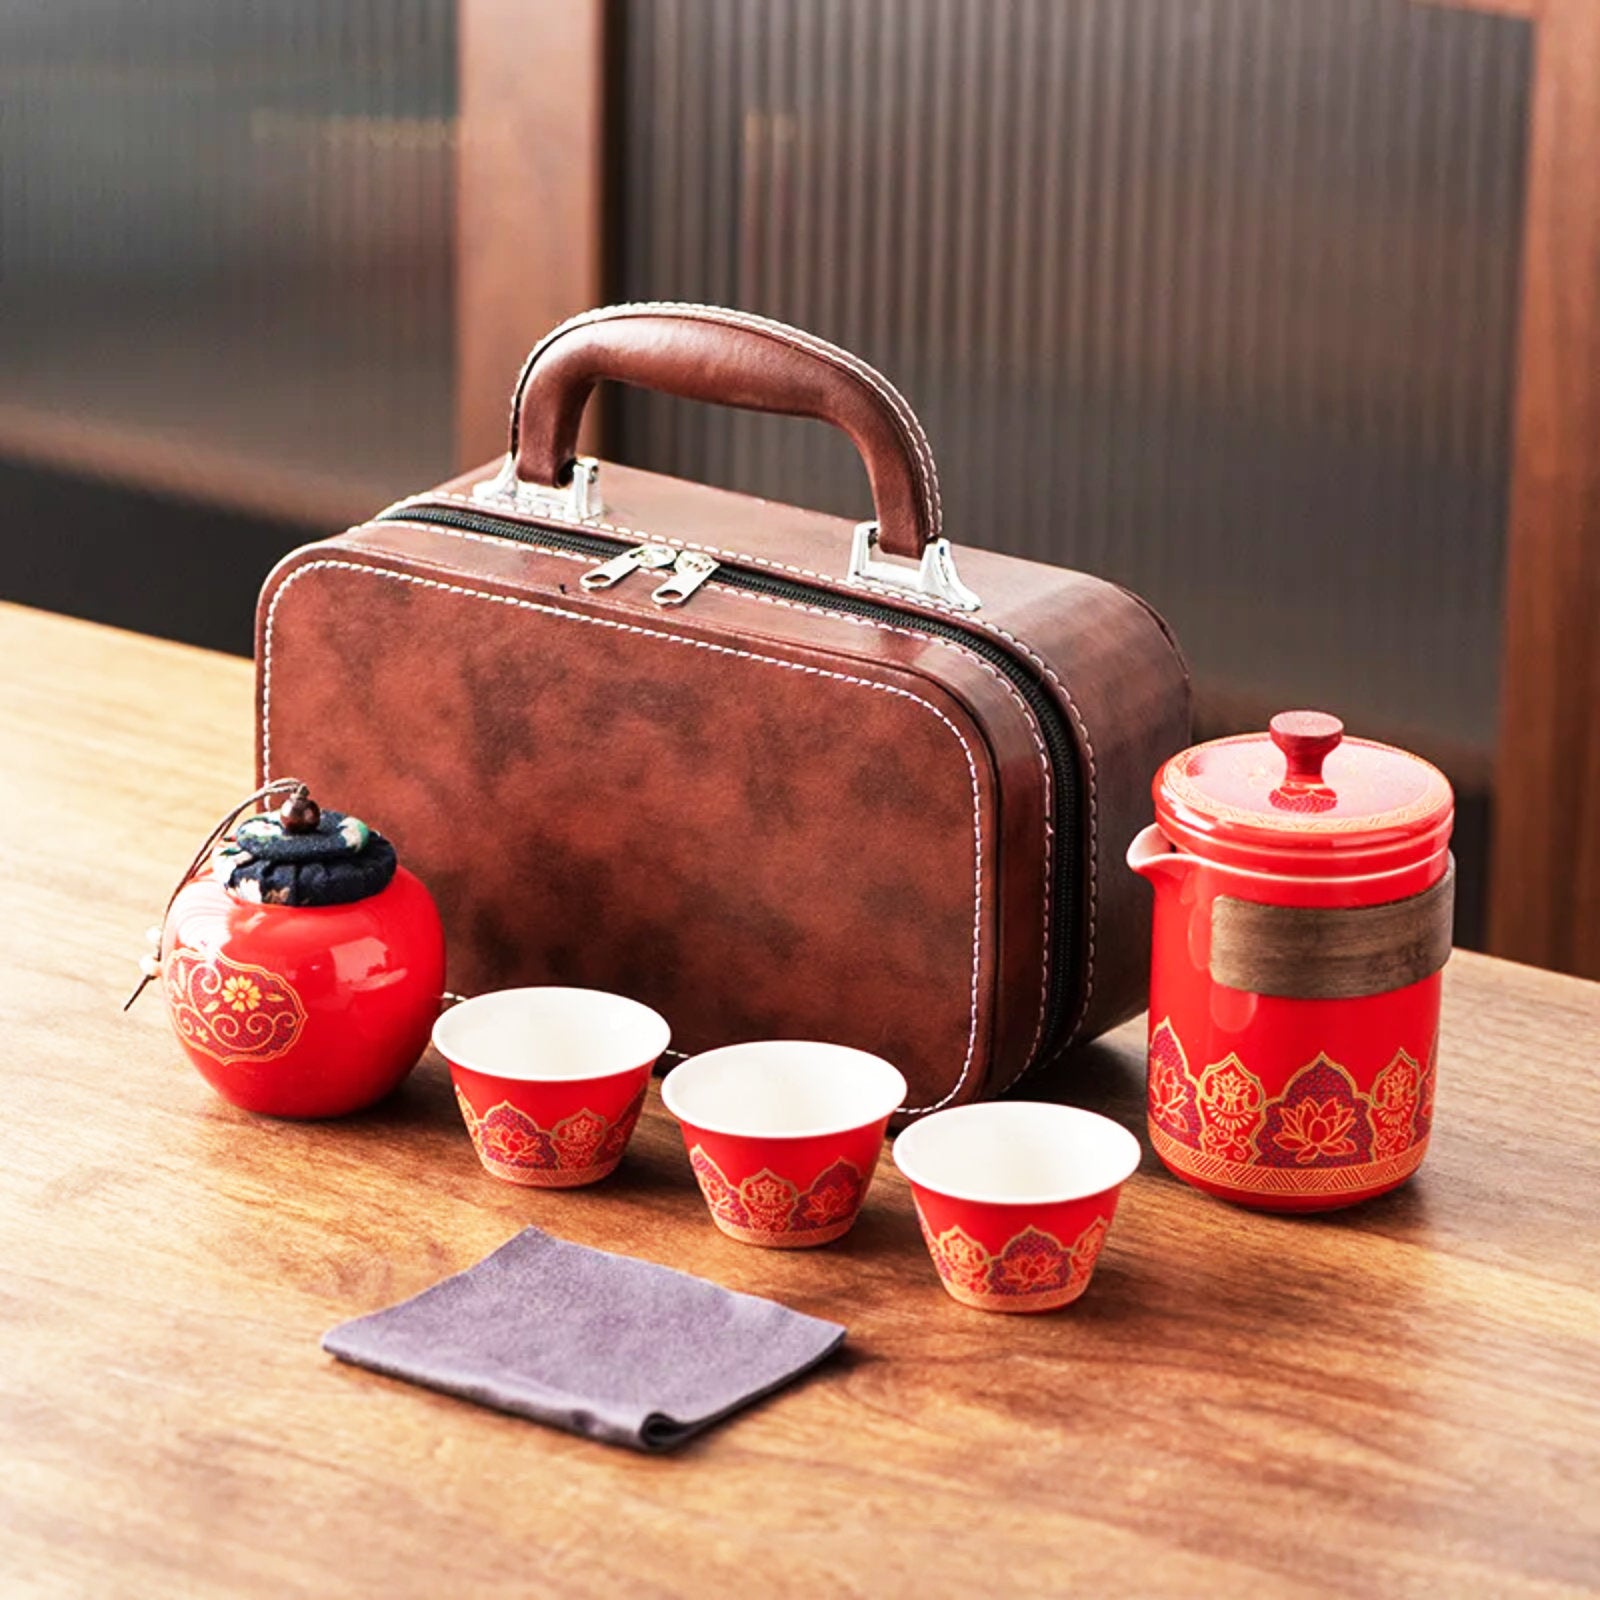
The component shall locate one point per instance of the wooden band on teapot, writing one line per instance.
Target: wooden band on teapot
(1332, 953)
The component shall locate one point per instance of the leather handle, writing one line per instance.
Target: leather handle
(729, 358)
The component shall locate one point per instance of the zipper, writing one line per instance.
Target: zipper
(650, 557)
(690, 570)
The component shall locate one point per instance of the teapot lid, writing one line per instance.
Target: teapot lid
(1304, 787)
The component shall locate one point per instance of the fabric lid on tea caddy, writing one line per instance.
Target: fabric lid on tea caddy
(303, 855)
(1304, 800)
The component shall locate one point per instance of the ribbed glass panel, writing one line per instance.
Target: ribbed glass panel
(226, 240)
(1214, 297)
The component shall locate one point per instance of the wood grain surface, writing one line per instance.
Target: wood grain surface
(1399, 1400)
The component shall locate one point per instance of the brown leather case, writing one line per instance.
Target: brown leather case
(775, 801)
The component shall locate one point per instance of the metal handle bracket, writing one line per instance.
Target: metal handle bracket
(577, 502)
(934, 578)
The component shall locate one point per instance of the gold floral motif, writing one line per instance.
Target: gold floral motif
(1317, 1128)
(1287, 1182)
(578, 1137)
(242, 994)
(1301, 1136)
(1229, 1102)
(1171, 1086)
(767, 1208)
(769, 1199)
(578, 1149)
(230, 1010)
(962, 1260)
(1087, 1246)
(828, 1201)
(1032, 1271)
(1396, 1096)
(1430, 1079)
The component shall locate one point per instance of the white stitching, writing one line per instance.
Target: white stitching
(928, 484)
(999, 677)
(692, 643)
(966, 618)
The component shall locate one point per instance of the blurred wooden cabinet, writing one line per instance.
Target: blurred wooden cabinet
(283, 259)
(1545, 888)
(531, 203)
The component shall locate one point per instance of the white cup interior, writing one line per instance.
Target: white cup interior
(1017, 1152)
(782, 1089)
(546, 1034)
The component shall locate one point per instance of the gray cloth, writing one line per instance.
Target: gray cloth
(601, 1345)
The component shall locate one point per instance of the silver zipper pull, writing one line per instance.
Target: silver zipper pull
(689, 571)
(650, 557)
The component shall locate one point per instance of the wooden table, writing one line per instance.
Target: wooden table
(1403, 1399)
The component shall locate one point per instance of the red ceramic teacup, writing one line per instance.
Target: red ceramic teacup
(783, 1136)
(550, 1081)
(1015, 1198)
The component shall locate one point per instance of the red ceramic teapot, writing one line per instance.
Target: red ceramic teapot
(303, 966)
(1303, 907)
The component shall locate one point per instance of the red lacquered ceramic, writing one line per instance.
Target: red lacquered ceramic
(550, 1081)
(1302, 903)
(1015, 1198)
(783, 1136)
(303, 1011)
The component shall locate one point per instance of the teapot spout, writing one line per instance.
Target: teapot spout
(1151, 855)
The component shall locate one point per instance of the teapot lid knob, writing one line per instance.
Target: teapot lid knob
(1306, 739)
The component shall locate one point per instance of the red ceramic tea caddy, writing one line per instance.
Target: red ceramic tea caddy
(302, 965)
(1303, 899)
